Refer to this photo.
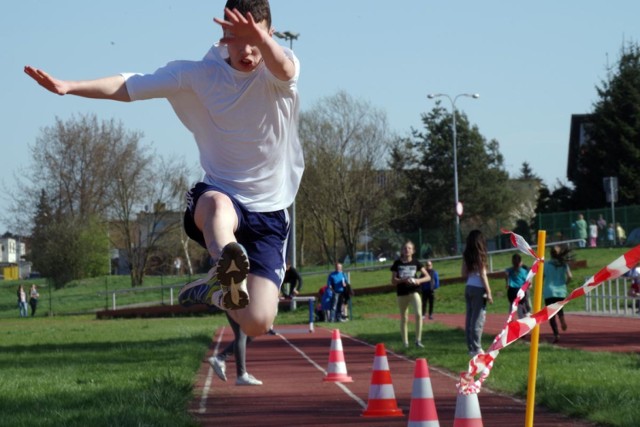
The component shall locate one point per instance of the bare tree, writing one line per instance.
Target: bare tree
(92, 171)
(73, 160)
(147, 207)
(346, 142)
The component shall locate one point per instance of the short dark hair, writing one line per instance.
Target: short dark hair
(259, 9)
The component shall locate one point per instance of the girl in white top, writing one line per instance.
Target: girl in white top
(477, 292)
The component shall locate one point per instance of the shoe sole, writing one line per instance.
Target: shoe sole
(232, 271)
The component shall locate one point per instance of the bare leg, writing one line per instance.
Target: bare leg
(217, 219)
(258, 317)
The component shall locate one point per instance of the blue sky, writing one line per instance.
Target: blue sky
(533, 64)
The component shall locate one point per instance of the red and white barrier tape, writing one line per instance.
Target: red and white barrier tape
(481, 364)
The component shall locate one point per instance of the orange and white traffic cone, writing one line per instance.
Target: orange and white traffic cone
(382, 399)
(467, 411)
(422, 412)
(337, 370)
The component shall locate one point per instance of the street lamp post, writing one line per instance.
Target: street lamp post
(288, 35)
(458, 206)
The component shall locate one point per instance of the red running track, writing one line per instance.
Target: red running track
(292, 366)
(585, 332)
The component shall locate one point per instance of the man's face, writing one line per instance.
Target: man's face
(244, 57)
(407, 249)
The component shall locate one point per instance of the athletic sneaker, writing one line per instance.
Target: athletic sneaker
(219, 367)
(230, 272)
(248, 379)
(419, 344)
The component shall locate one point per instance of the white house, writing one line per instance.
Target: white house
(13, 250)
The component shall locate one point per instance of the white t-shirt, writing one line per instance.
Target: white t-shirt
(245, 124)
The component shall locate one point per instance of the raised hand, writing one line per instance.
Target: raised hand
(48, 82)
(240, 29)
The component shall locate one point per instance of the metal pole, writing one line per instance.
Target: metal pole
(294, 244)
(613, 213)
(535, 334)
(287, 35)
(458, 241)
(455, 174)
(293, 235)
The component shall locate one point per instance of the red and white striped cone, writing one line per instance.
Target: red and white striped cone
(337, 370)
(422, 412)
(467, 411)
(382, 399)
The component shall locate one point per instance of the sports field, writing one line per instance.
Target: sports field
(293, 365)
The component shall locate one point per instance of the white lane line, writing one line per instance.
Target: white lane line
(207, 384)
(319, 368)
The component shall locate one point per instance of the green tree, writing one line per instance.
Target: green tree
(97, 173)
(559, 199)
(425, 166)
(612, 147)
(526, 172)
(63, 249)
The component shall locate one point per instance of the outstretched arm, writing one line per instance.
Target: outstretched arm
(241, 29)
(113, 87)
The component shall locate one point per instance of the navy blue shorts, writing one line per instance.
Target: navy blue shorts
(263, 234)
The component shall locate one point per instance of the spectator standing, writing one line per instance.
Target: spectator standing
(516, 277)
(325, 296)
(22, 301)
(237, 348)
(593, 234)
(292, 282)
(477, 291)
(408, 275)
(611, 236)
(346, 299)
(557, 275)
(581, 230)
(177, 265)
(602, 228)
(33, 299)
(621, 235)
(429, 290)
(634, 289)
(337, 281)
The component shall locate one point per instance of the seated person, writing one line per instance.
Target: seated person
(634, 290)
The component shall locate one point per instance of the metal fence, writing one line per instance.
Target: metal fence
(155, 295)
(612, 298)
(561, 223)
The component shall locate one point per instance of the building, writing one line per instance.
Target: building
(12, 262)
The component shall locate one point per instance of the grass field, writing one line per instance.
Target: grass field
(79, 371)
